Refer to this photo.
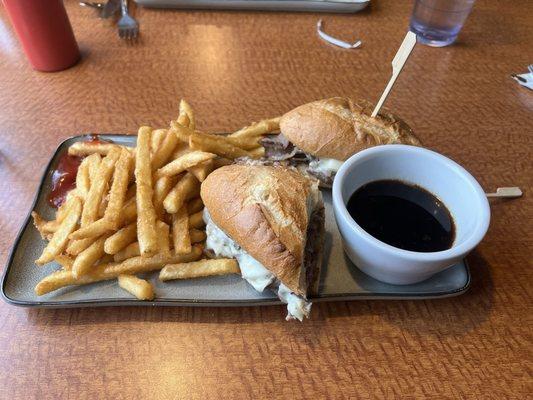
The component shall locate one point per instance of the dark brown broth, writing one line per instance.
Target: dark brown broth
(403, 215)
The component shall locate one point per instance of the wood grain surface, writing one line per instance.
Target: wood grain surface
(237, 67)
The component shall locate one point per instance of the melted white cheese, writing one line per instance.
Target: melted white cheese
(325, 165)
(252, 270)
(297, 307)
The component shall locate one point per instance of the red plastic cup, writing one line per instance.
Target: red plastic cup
(45, 33)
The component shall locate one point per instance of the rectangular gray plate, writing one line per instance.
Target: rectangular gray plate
(331, 6)
(340, 279)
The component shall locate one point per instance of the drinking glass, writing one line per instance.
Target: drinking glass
(438, 22)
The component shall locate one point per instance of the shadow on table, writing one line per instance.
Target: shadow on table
(453, 316)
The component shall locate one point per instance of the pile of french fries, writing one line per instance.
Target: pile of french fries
(136, 210)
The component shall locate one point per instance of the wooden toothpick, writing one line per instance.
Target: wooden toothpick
(506, 192)
(397, 64)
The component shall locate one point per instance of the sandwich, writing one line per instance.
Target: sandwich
(271, 219)
(318, 137)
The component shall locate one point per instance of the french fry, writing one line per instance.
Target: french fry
(245, 142)
(116, 197)
(182, 131)
(65, 262)
(131, 250)
(60, 238)
(197, 235)
(103, 204)
(93, 165)
(201, 170)
(162, 186)
(183, 118)
(118, 190)
(129, 211)
(140, 288)
(62, 210)
(165, 150)
(146, 215)
(163, 232)
(96, 192)
(82, 149)
(108, 271)
(45, 228)
(216, 144)
(111, 217)
(121, 239)
(258, 129)
(184, 162)
(198, 269)
(196, 220)
(186, 109)
(181, 150)
(195, 205)
(186, 188)
(157, 138)
(75, 247)
(83, 182)
(93, 230)
(88, 257)
(180, 231)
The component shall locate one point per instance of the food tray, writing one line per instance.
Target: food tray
(340, 279)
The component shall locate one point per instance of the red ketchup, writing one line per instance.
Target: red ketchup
(94, 138)
(63, 179)
(64, 176)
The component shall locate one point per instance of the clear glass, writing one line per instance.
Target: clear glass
(438, 22)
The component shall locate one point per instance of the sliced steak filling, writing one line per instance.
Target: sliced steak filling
(314, 250)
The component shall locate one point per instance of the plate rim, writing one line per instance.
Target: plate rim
(182, 302)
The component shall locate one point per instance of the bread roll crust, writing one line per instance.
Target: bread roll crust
(339, 127)
(264, 209)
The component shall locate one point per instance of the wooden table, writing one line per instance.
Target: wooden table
(239, 67)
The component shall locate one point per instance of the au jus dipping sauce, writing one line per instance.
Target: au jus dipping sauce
(403, 215)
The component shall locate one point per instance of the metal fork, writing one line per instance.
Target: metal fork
(128, 27)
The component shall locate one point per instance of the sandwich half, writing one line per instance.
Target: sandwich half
(271, 219)
(318, 137)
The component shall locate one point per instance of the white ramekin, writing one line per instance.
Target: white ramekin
(446, 179)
